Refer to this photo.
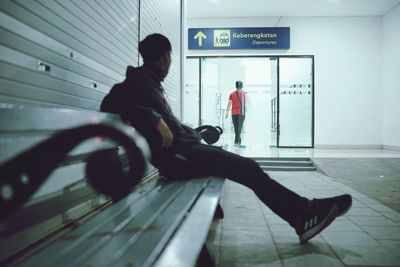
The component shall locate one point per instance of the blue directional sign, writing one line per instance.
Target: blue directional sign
(239, 38)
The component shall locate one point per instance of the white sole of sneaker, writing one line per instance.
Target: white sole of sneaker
(321, 226)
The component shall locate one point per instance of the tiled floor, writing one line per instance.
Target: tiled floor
(252, 235)
(378, 178)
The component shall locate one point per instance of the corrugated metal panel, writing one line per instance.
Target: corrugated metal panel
(85, 46)
(164, 16)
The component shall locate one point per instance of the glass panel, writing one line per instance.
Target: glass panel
(229, 71)
(218, 81)
(191, 95)
(210, 95)
(295, 102)
(274, 101)
(257, 84)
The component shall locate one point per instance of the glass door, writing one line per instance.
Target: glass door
(218, 78)
(279, 98)
(274, 101)
(210, 101)
(295, 102)
(191, 92)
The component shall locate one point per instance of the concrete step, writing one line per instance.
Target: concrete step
(288, 168)
(280, 159)
(284, 163)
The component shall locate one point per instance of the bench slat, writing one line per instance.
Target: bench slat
(108, 218)
(150, 244)
(182, 251)
(102, 250)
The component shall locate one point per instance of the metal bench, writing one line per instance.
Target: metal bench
(153, 222)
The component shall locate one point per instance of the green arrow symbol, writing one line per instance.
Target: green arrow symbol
(200, 35)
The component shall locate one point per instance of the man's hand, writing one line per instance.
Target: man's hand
(226, 114)
(165, 132)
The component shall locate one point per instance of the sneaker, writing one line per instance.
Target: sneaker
(343, 202)
(317, 219)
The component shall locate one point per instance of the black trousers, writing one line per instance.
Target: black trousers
(198, 160)
(238, 125)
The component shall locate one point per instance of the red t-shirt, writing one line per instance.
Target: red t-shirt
(235, 101)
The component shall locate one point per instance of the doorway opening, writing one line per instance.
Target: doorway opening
(279, 98)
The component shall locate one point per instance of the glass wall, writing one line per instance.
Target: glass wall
(210, 93)
(218, 76)
(279, 98)
(257, 82)
(295, 102)
(274, 101)
(191, 92)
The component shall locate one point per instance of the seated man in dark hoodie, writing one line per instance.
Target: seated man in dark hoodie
(178, 153)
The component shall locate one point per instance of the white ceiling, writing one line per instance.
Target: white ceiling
(274, 8)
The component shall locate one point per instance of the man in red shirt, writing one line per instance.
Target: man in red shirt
(237, 100)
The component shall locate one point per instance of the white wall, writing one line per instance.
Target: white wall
(391, 79)
(348, 71)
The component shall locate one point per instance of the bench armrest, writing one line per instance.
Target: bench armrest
(22, 175)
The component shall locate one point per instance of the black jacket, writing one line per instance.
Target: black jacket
(140, 100)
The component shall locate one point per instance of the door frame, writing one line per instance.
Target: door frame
(278, 89)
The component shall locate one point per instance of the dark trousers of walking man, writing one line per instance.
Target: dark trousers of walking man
(237, 100)
(238, 125)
